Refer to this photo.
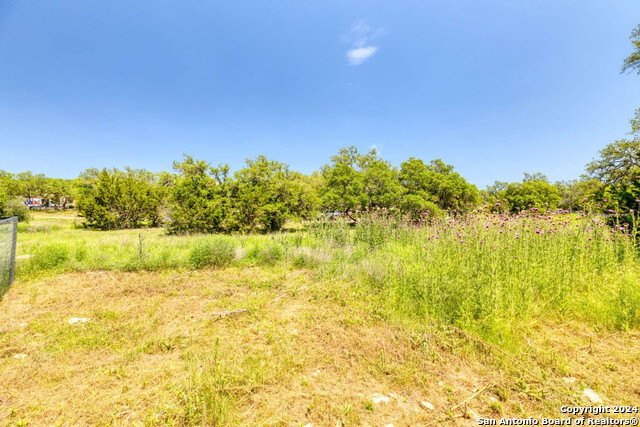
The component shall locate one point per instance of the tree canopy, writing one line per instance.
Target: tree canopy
(198, 197)
(632, 62)
(115, 199)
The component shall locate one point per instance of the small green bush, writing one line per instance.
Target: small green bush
(49, 256)
(81, 252)
(15, 207)
(270, 254)
(217, 252)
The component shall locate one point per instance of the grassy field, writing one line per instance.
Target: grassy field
(382, 323)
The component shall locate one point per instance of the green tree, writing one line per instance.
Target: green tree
(344, 182)
(618, 165)
(5, 179)
(30, 185)
(535, 177)
(533, 192)
(381, 186)
(635, 124)
(305, 195)
(493, 193)
(417, 199)
(632, 62)
(59, 191)
(8, 184)
(198, 197)
(355, 181)
(437, 183)
(114, 199)
(11, 200)
(618, 168)
(265, 194)
(618, 162)
(452, 191)
(576, 194)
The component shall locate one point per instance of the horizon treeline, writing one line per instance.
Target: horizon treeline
(200, 198)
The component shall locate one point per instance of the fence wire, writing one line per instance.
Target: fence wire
(8, 235)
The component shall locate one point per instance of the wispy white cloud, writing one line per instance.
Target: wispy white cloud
(361, 54)
(360, 36)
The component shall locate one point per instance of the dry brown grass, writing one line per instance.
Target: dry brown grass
(304, 352)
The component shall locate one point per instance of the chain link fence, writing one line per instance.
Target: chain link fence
(8, 235)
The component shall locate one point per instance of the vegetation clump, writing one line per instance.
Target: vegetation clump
(114, 199)
(49, 256)
(215, 252)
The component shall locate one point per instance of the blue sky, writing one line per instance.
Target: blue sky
(495, 88)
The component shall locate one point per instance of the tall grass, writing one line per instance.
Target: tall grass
(489, 274)
(212, 252)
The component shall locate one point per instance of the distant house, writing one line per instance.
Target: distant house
(330, 215)
(37, 203)
(33, 202)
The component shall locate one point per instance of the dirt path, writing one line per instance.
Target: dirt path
(56, 217)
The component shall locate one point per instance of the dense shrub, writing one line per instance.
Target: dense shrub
(437, 183)
(114, 199)
(199, 199)
(359, 182)
(534, 192)
(265, 194)
(416, 207)
(531, 194)
(260, 197)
